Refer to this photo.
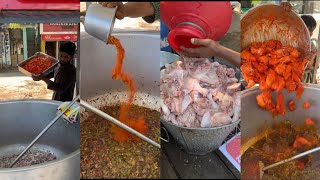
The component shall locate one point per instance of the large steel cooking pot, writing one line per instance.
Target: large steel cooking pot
(141, 62)
(21, 121)
(256, 121)
(269, 21)
(196, 141)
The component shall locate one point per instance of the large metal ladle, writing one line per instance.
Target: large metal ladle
(262, 168)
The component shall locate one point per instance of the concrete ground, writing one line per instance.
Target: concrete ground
(15, 85)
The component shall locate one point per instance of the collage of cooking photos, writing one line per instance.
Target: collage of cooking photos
(236, 95)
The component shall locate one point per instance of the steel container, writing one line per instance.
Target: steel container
(255, 120)
(197, 141)
(99, 21)
(21, 121)
(141, 62)
(269, 21)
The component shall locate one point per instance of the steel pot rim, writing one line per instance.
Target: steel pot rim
(292, 13)
(45, 164)
(31, 100)
(201, 129)
(256, 88)
(261, 5)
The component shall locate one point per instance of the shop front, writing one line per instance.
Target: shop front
(55, 34)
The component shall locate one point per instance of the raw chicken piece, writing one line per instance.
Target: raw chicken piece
(171, 118)
(206, 119)
(216, 90)
(197, 67)
(225, 103)
(231, 73)
(221, 72)
(202, 106)
(165, 109)
(185, 103)
(177, 102)
(187, 118)
(231, 89)
(197, 122)
(213, 103)
(215, 64)
(217, 95)
(173, 103)
(173, 66)
(171, 83)
(231, 80)
(213, 118)
(195, 95)
(211, 77)
(205, 85)
(162, 73)
(190, 84)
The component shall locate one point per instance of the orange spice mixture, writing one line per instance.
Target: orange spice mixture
(139, 125)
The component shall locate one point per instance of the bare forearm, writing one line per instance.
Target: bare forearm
(145, 9)
(230, 55)
(311, 62)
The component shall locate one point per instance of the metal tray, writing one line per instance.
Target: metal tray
(38, 54)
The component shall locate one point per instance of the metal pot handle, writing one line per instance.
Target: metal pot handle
(166, 140)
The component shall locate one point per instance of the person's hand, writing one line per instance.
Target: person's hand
(311, 57)
(208, 48)
(121, 11)
(38, 78)
(286, 6)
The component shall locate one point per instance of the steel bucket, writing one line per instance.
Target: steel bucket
(99, 21)
(21, 121)
(255, 122)
(196, 141)
(141, 59)
(140, 62)
(287, 27)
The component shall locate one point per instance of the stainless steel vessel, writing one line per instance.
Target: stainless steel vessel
(99, 21)
(270, 21)
(141, 62)
(255, 120)
(197, 141)
(21, 121)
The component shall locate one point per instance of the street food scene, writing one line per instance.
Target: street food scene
(82, 95)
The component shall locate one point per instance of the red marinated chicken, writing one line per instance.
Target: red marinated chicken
(274, 67)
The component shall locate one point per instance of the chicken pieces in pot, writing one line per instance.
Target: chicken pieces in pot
(274, 67)
(197, 93)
